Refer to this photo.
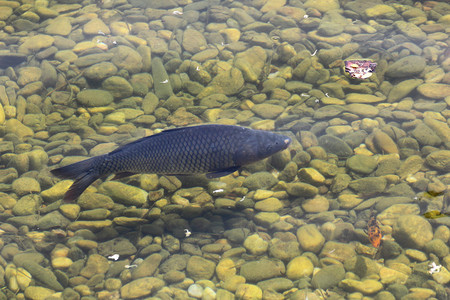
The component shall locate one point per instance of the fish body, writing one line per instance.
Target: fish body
(373, 231)
(216, 150)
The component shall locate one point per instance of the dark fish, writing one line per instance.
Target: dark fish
(217, 150)
(11, 59)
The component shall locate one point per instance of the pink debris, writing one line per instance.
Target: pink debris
(359, 69)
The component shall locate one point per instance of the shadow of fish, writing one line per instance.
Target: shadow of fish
(216, 150)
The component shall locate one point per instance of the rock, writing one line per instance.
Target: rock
(316, 204)
(425, 135)
(437, 247)
(390, 276)
(96, 264)
(367, 286)
(328, 277)
(26, 205)
(322, 5)
(348, 201)
(251, 63)
(226, 268)
(269, 204)
(57, 191)
(412, 231)
(362, 164)
(249, 291)
(369, 185)
(311, 176)
(284, 250)
(119, 245)
(123, 193)
(94, 98)
(118, 86)
(384, 142)
(25, 185)
(128, 59)
(38, 292)
(16, 127)
(379, 11)
(363, 98)
(310, 238)
(100, 71)
(255, 271)
(43, 275)
(267, 111)
(402, 89)
(141, 287)
(35, 43)
(193, 41)
(335, 145)
(363, 110)
(411, 30)
(439, 160)
(200, 268)
(260, 180)
(163, 88)
(227, 82)
(301, 189)
(338, 251)
(59, 26)
(407, 66)
(96, 27)
(440, 128)
(256, 245)
(195, 291)
(299, 267)
(434, 90)
(147, 267)
(53, 220)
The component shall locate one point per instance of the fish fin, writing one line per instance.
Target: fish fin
(82, 172)
(80, 184)
(222, 173)
(123, 175)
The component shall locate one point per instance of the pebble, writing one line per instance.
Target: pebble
(412, 231)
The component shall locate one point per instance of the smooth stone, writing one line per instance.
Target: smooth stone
(200, 268)
(301, 189)
(227, 82)
(53, 219)
(367, 286)
(310, 238)
(249, 291)
(434, 90)
(316, 205)
(141, 287)
(369, 185)
(335, 145)
(128, 59)
(123, 193)
(94, 97)
(411, 30)
(90, 225)
(27, 205)
(276, 284)
(193, 41)
(412, 231)
(119, 245)
(70, 211)
(384, 142)
(363, 98)
(100, 71)
(147, 267)
(440, 128)
(439, 160)
(299, 267)
(251, 63)
(44, 275)
(362, 164)
(38, 292)
(407, 66)
(16, 127)
(328, 277)
(59, 26)
(256, 271)
(379, 10)
(96, 27)
(256, 245)
(25, 185)
(163, 88)
(57, 191)
(267, 111)
(118, 86)
(322, 5)
(260, 180)
(425, 135)
(402, 89)
(363, 110)
(35, 43)
(269, 204)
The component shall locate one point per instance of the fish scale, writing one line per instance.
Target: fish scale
(217, 150)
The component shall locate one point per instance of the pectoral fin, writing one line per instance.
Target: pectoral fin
(222, 173)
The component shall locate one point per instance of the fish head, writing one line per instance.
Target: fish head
(259, 145)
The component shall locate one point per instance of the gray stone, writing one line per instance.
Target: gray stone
(94, 98)
(406, 67)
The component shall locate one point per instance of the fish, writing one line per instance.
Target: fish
(211, 149)
(373, 230)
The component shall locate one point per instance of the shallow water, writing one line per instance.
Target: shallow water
(370, 155)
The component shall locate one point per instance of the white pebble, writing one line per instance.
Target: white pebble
(195, 290)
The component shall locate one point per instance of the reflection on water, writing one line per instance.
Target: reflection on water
(369, 158)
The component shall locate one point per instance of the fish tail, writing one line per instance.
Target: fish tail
(84, 173)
